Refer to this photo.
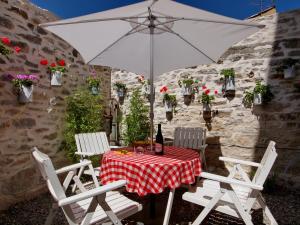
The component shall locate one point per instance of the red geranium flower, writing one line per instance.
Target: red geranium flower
(44, 62)
(5, 40)
(207, 91)
(163, 89)
(17, 49)
(216, 92)
(61, 62)
(204, 87)
(53, 65)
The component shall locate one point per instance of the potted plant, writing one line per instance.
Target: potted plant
(5, 42)
(187, 85)
(206, 100)
(288, 68)
(94, 84)
(120, 88)
(146, 88)
(261, 94)
(24, 86)
(169, 100)
(57, 71)
(229, 83)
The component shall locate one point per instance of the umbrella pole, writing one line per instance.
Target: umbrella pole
(151, 27)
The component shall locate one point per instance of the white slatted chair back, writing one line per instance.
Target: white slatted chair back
(189, 137)
(93, 143)
(267, 163)
(48, 172)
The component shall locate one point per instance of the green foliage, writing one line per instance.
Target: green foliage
(119, 85)
(3, 50)
(206, 99)
(93, 81)
(137, 122)
(170, 98)
(259, 88)
(57, 68)
(84, 114)
(228, 72)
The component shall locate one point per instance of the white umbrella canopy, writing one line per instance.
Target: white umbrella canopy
(183, 36)
(152, 37)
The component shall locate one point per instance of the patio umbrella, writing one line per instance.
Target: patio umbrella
(152, 37)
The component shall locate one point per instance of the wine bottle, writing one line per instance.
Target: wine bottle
(159, 142)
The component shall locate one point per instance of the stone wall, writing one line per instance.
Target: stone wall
(38, 123)
(237, 131)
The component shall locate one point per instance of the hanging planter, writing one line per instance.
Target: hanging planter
(229, 82)
(287, 67)
(169, 100)
(56, 78)
(168, 106)
(121, 89)
(206, 107)
(94, 84)
(260, 95)
(187, 86)
(24, 86)
(147, 91)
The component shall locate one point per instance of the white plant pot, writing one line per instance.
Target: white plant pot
(187, 90)
(206, 107)
(121, 93)
(56, 78)
(289, 72)
(168, 106)
(147, 92)
(229, 84)
(257, 99)
(95, 90)
(25, 94)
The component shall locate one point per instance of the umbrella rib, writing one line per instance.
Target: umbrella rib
(182, 38)
(119, 39)
(242, 23)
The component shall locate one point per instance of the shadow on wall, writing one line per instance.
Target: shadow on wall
(279, 120)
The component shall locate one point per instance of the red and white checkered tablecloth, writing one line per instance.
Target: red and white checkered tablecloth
(149, 173)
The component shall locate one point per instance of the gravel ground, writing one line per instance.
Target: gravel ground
(285, 206)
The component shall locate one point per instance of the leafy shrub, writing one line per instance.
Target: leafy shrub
(137, 122)
(228, 72)
(84, 114)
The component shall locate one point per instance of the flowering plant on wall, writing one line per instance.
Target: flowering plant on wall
(4, 46)
(189, 85)
(120, 88)
(56, 69)
(229, 82)
(94, 83)
(206, 98)
(261, 94)
(24, 86)
(169, 100)
(146, 86)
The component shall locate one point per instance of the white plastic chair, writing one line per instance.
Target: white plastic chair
(232, 196)
(99, 205)
(193, 138)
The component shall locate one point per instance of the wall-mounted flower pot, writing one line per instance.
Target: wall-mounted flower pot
(95, 90)
(206, 107)
(168, 106)
(56, 78)
(121, 93)
(187, 90)
(289, 72)
(25, 94)
(257, 99)
(147, 92)
(229, 84)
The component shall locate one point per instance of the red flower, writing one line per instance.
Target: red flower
(53, 65)
(17, 49)
(61, 62)
(44, 62)
(207, 91)
(5, 40)
(204, 87)
(216, 92)
(163, 89)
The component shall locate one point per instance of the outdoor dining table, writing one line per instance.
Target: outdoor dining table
(147, 173)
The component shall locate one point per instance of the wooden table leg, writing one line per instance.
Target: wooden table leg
(169, 207)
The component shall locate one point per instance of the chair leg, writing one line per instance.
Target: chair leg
(51, 214)
(94, 176)
(79, 175)
(208, 208)
(203, 159)
(245, 216)
(266, 211)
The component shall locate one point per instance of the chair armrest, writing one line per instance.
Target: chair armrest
(116, 147)
(85, 153)
(73, 167)
(227, 180)
(238, 161)
(203, 147)
(92, 193)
